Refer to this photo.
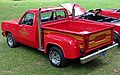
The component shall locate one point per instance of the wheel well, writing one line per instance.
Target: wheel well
(6, 32)
(51, 45)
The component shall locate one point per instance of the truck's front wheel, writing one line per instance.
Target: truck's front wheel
(56, 57)
(11, 41)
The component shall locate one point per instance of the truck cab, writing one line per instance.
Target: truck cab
(51, 30)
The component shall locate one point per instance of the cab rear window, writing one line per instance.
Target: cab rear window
(53, 15)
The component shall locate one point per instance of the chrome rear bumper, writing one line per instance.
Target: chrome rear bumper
(98, 53)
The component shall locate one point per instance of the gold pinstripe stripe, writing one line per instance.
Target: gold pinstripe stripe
(92, 37)
(74, 36)
(94, 43)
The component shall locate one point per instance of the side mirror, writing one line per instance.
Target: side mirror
(20, 23)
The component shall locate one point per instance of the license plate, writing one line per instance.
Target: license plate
(102, 54)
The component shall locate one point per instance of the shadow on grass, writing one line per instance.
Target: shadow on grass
(37, 52)
(90, 65)
(74, 64)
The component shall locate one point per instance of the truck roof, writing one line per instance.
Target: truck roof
(46, 8)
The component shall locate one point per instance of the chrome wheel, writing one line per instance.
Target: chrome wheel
(10, 40)
(55, 57)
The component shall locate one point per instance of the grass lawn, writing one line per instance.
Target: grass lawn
(24, 60)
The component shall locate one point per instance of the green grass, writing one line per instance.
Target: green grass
(24, 60)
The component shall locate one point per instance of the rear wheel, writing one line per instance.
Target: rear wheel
(11, 41)
(57, 58)
(116, 38)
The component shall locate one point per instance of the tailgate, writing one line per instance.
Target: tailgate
(99, 39)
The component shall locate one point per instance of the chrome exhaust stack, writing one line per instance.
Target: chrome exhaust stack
(40, 31)
(73, 12)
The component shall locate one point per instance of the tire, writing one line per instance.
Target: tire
(11, 41)
(116, 38)
(56, 57)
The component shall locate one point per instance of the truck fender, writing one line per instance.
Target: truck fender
(69, 45)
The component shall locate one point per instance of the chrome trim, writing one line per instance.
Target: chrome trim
(73, 12)
(97, 54)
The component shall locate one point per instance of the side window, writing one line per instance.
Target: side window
(28, 19)
(53, 15)
(48, 16)
(60, 14)
(45, 17)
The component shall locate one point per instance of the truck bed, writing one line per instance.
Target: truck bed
(96, 35)
(76, 27)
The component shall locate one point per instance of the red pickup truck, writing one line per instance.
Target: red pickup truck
(51, 30)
